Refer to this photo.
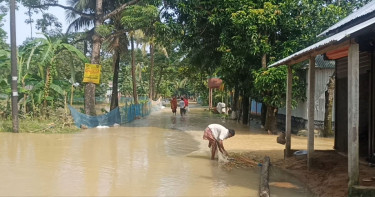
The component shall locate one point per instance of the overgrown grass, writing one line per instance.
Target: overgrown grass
(53, 125)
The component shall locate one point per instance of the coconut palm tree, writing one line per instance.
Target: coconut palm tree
(117, 44)
(117, 40)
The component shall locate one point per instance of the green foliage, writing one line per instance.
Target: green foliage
(75, 52)
(105, 30)
(49, 24)
(4, 61)
(34, 58)
(195, 40)
(53, 125)
(228, 38)
(138, 17)
(270, 86)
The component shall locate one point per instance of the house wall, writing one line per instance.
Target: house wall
(341, 124)
(256, 108)
(299, 114)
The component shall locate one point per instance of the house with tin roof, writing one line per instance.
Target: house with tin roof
(351, 44)
(324, 72)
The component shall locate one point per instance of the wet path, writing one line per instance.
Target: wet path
(160, 155)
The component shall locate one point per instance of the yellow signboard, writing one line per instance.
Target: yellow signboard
(92, 73)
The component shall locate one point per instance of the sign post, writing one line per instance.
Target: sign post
(92, 73)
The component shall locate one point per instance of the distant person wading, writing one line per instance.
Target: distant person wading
(174, 105)
(186, 104)
(182, 106)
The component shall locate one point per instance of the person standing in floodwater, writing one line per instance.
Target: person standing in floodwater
(174, 105)
(182, 106)
(215, 134)
(186, 104)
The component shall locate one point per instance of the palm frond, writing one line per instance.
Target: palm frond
(75, 51)
(79, 24)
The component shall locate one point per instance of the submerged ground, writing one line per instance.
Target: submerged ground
(159, 155)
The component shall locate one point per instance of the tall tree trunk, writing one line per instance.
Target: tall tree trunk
(151, 89)
(245, 110)
(116, 69)
(235, 99)
(135, 96)
(234, 102)
(329, 96)
(271, 120)
(239, 107)
(31, 23)
(159, 81)
(95, 59)
(263, 114)
(264, 61)
(85, 47)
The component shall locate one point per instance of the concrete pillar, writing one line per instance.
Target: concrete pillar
(353, 114)
(288, 121)
(310, 110)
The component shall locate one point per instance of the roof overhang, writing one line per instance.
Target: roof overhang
(339, 40)
(366, 10)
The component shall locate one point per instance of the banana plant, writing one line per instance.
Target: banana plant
(24, 57)
(43, 57)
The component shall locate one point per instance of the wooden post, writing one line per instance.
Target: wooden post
(264, 189)
(226, 102)
(210, 99)
(353, 114)
(288, 121)
(310, 110)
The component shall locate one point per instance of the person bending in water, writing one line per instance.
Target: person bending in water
(215, 134)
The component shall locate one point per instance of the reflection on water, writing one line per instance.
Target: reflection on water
(173, 119)
(155, 156)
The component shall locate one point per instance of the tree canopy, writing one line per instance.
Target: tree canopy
(188, 42)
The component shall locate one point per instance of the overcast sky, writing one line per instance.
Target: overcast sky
(23, 29)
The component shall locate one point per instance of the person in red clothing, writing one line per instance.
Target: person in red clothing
(186, 101)
(174, 105)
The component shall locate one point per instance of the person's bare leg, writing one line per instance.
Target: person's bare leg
(213, 150)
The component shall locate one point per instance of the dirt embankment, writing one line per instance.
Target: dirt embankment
(328, 175)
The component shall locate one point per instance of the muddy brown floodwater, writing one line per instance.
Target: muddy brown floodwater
(159, 155)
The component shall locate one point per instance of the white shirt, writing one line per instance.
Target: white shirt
(219, 132)
(181, 104)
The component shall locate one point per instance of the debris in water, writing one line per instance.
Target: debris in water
(239, 160)
(284, 185)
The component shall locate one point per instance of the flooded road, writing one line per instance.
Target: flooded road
(159, 155)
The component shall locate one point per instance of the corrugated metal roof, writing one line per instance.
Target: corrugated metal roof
(330, 40)
(366, 9)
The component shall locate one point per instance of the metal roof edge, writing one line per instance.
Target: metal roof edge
(364, 10)
(330, 40)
